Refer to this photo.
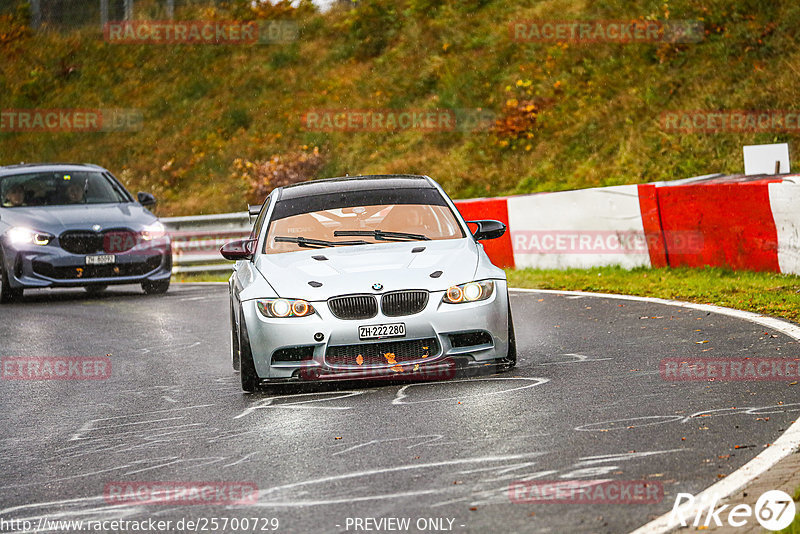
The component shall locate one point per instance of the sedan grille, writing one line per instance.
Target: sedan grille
(354, 307)
(79, 242)
(400, 303)
(86, 242)
(387, 353)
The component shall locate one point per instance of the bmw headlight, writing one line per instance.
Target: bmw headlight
(25, 236)
(278, 308)
(469, 292)
(153, 231)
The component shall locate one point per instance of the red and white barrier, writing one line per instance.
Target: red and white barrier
(585, 228)
(719, 222)
(784, 199)
(715, 220)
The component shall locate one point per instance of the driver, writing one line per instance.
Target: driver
(74, 193)
(15, 196)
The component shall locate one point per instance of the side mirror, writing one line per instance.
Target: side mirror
(238, 250)
(253, 209)
(488, 229)
(146, 199)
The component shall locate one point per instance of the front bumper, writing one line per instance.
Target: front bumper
(35, 266)
(437, 340)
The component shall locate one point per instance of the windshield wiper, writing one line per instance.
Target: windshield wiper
(382, 236)
(316, 243)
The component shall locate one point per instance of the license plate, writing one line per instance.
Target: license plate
(377, 331)
(102, 259)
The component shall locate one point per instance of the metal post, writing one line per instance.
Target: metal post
(36, 14)
(170, 9)
(103, 14)
(128, 9)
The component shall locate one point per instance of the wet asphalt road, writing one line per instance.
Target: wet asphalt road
(585, 402)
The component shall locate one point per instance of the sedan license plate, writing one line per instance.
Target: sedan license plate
(377, 331)
(103, 259)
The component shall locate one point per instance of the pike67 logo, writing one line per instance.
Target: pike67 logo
(774, 510)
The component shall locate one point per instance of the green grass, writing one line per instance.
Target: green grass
(599, 103)
(766, 293)
(200, 277)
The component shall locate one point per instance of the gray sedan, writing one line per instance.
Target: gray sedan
(76, 225)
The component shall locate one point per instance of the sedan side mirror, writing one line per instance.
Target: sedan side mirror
(488, 229)
(238, 250)
(146, 199)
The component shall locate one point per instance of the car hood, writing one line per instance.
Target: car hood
(354, 269)
(56, 219)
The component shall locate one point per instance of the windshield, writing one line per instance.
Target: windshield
(59, 189)
(363, 224)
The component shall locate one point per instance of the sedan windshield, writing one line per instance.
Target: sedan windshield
(59, 188)
(369, 223)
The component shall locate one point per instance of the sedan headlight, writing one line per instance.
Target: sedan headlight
(469, 292)
(25, 236)
(153, 231)
(279, 308)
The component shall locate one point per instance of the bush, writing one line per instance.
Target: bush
(279, 170)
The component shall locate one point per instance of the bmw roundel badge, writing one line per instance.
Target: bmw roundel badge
(377, 286)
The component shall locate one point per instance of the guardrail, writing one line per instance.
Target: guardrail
(196, 240)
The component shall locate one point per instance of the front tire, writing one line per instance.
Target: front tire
(247, 371)
(8, 294)
(510, 361)
(235, 352)
(158, 287)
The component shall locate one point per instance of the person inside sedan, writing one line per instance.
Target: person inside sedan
(15, 196)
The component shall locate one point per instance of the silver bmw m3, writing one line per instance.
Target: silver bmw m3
(366, 277)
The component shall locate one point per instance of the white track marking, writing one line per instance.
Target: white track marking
(262, 494)
(401, 393)
(268, 401)
(785, 445)
(579, 358)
